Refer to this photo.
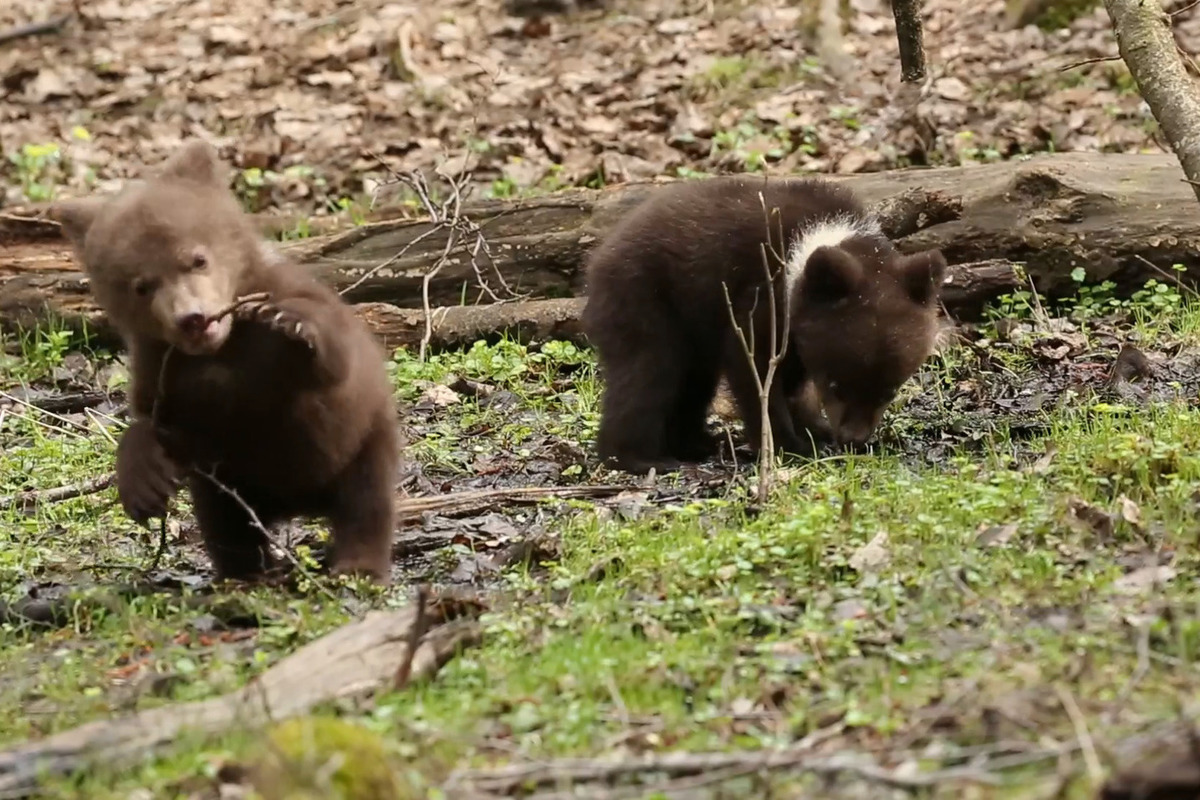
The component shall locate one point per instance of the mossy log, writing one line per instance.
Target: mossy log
(1120, 217)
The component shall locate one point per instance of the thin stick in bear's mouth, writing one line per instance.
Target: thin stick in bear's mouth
(241, 301)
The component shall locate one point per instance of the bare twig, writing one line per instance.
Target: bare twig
(910, 37)
(1183, 287)
(162, 547)
(1086, 61)
(1086, 745)
(256, 521)
(34, 28)
(420, 625)
(778, 345)
(447, 217)
(22, 402)
(256, 297)
(34, 497)
(483, 499)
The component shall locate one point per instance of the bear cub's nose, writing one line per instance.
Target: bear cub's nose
(193, 325)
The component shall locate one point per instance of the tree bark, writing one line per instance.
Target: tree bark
(911, 38)
(1053, 213)
(1148, 48)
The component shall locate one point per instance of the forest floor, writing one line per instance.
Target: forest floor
(304, 96)
(1000, 595)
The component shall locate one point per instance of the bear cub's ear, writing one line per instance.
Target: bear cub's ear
(76, 218)
(922, 275)
(831, 275)
(196, 161)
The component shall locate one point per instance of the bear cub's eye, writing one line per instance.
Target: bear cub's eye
(143, 286)
(199, 261)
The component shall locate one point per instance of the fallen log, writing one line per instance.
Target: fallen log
(968, 288)
(1106, 213)
(352, 660)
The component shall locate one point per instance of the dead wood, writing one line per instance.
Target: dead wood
(455, 326)
(68, 402)
(653, 767)
(1147, 45)
(352, 660)
(33, 497)
(34, 28)
(471, 502)
(1054, 213)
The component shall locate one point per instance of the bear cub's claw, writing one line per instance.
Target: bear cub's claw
(279, 318)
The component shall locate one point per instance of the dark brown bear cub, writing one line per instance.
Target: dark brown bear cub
(285, 401)
(863, 317)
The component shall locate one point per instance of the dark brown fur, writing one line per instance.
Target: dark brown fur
(863, 319)
(286, 401)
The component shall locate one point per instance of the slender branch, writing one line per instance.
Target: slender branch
(778, 345)
(420, 626)
(34, 28)
(448, 217)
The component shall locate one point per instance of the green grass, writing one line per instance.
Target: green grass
(718, 624)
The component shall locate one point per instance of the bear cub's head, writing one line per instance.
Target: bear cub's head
(863, 319)
(167, 254)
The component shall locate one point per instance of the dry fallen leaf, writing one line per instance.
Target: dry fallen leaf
(438, 396)
(1087, 518)
(1130, 512)
(995, 535)
(872, 555)
(1143, 580)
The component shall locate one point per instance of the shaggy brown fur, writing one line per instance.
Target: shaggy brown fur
(285, 401)
(862, 316)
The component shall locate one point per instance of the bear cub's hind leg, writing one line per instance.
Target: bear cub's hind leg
(239, 549)
(363, 519)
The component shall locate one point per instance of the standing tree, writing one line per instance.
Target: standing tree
(1144, 38)
(911, 39)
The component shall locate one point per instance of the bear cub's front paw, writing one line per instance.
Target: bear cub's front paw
(146, 478)
(279, 318)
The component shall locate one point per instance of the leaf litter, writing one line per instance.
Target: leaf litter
(300, 94)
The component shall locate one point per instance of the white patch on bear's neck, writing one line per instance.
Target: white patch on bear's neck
(829, 232)
(269, 253)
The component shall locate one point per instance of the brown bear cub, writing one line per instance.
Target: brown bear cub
(863, 317)
(284, 401)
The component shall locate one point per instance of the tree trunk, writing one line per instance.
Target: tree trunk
(1053, 213)
(911, 38)
(1148, 47)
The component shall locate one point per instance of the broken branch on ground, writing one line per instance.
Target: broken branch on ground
(352, 660)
